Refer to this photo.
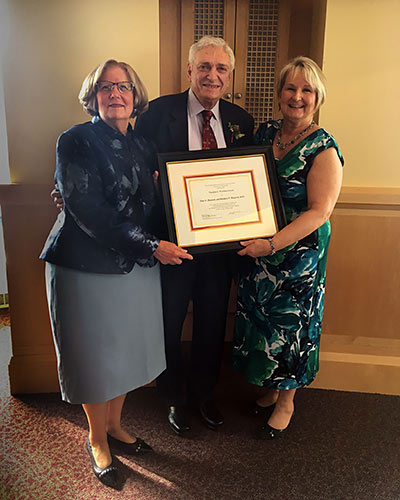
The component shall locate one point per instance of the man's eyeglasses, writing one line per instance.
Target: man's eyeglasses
(108, 87)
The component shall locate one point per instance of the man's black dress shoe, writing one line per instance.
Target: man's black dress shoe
(106, 475)
(178, 420)
(136, 448)
(211, 415)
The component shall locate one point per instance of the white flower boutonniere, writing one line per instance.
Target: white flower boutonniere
(235, 131)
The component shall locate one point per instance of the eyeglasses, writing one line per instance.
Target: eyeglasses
(108, 87)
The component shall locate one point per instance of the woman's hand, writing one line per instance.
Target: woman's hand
(255, 248)
(169, 253)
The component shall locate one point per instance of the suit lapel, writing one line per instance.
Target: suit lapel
(178, 125)
(224, 108)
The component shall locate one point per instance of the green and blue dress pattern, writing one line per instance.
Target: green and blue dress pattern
(280, 301)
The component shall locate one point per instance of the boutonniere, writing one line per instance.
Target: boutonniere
(235, 131)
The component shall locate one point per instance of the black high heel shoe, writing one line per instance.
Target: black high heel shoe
(136, 448)
(106, 475)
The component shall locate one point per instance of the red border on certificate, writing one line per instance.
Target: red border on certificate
(221, 197)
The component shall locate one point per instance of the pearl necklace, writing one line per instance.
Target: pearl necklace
(286, 144)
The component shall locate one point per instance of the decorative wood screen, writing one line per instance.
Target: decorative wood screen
(261, 58)
(208, 18)
(251, 29)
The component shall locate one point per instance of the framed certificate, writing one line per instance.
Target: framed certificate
(216, 198)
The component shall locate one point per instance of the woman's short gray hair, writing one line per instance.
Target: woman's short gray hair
(311, 72)
(87, 95)
(206, 41)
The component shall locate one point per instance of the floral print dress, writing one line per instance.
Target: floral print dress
(280, 301)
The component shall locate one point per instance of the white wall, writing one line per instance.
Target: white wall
(362, 66)
(4, 168)
(53, 46)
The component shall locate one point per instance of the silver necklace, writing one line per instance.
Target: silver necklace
(286, 144)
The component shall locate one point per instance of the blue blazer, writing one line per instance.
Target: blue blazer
(110, 209)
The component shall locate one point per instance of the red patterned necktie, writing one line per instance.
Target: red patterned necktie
(208, 138)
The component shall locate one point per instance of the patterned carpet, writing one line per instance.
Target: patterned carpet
(340, 446)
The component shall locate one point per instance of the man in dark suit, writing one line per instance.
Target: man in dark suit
(178, 123)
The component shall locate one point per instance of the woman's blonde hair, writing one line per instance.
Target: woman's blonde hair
(311, 72)
(87, 95)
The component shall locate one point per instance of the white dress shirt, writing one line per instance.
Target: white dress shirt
(195, 123)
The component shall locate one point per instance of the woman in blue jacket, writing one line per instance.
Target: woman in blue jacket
(102, 271)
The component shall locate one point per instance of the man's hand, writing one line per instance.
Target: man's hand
(57, 198)
(156, 176)
(169, 253)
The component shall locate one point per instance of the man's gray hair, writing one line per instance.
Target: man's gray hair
(206, 41)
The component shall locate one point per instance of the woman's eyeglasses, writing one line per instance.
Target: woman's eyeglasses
(107, 87)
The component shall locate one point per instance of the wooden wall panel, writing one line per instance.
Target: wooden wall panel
(28, 214)
(360, 348)
(363, 271)
(360, 344)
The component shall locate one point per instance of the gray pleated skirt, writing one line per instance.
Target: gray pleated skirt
(107, 329)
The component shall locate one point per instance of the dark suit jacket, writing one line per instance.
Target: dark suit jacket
(166, 124)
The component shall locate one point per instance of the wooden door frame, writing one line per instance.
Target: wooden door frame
(170, 46)
(173, 59)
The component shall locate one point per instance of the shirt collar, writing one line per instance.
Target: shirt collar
(194, 107)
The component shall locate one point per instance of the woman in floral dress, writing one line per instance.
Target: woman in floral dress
(280, 302)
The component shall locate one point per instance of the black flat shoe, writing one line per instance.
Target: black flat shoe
(178, 420)
(210, 415)
(256, 410)
(138, 447)
(268, 432)
(106, 475)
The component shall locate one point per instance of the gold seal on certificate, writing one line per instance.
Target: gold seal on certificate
(216, 198)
